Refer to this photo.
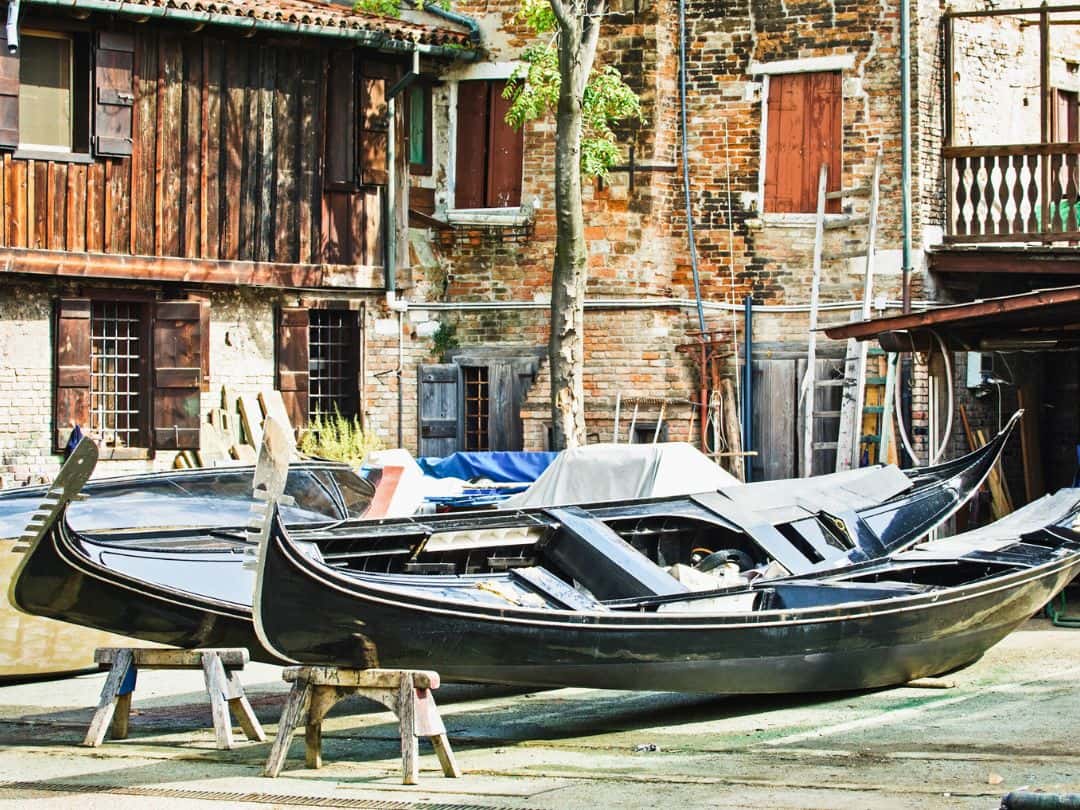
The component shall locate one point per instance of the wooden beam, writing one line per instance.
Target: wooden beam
(341, 278)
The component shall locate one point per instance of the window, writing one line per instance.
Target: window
(332, 353)
(46, 103)
(476, 408)
(129, 371)
(419, 128)
(318, 360)
(489, 151)
(117, 349)
(803, 131)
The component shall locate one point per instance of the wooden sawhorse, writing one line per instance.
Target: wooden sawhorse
(219, 666)
(407, 693)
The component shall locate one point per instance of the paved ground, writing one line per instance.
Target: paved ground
(1010, 721)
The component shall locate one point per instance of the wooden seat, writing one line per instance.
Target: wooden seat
(407, 693)
(219, 667)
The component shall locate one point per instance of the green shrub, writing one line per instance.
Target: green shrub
(338, 438)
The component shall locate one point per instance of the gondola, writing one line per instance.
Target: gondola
(212, 498)
(882, 622)
(193, 587)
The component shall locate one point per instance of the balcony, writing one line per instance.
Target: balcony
(1013, 193)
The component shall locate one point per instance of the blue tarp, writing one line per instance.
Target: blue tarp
(501, 466)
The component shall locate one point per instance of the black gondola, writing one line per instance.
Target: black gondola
(193, 586)
(911, 614)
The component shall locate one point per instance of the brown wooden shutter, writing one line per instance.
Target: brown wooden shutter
(341, 119)
(506, 148)
(440, 409)
(72, 357)
(470, 182)
(292, 362)
(177, 338)
(9, 96)
(804, 131)
(822, 136)
(114, 88)
(374, 127)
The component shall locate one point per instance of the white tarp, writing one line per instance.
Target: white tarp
(616, 472)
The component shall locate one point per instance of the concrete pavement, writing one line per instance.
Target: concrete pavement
(1010, 721)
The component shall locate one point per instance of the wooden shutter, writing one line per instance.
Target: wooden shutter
(341, 119)
(804, 130)
(374, 127)
(822, 137)
(506, 148)
(292, 362)
(72, 362)
(472, 127)
(177, 375)
(9, 96)
(440, 409)
(114, 88)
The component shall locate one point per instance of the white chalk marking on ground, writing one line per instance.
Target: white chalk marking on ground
(901, 715)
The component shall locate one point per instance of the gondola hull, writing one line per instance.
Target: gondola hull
(316, 615)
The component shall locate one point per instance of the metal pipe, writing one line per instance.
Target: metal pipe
(456, 17)
(748, 389)
(372, 39)
(401, 379)
(655, 303)
(12, 30)
(390, 217)
(905, 150)
(686, 166)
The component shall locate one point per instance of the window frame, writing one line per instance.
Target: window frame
(842, 64)
(145, 364)
(81, 90)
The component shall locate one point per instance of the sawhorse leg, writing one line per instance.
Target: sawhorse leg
(114, 705)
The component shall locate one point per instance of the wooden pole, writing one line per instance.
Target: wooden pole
(808, 384)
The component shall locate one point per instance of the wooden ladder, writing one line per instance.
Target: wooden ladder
(853, 383)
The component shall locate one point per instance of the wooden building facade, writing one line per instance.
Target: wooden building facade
(145, 164)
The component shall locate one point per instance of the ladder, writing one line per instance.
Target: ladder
(854, 380)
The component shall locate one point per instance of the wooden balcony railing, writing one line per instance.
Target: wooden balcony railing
(1013, 193)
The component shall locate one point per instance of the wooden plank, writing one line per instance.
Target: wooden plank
(103, 714)
(1000, 500)
(249, 182)
(76, 207)
(410, 748)
(775, 389)
(216, 687)
(273, 406)
(251, 418)
(231, 657)
(39, 210)
(95, 207)
(145, 156)
(241, 708)
(170, 101)
(310, 138)
(264, 223)
(292, 715)
(18, 233)
(233, 134)
(4, 208)
(366, 678)
(120, 204)
(211, 225)
(244, 453)
(286, 110)
(191, 161)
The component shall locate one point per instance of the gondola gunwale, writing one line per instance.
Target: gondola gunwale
(359, 585)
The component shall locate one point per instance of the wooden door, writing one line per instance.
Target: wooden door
(440, 409)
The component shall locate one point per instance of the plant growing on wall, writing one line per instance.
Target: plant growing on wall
(559, 75)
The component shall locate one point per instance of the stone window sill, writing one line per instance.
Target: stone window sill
(489, 217)
(798, 220)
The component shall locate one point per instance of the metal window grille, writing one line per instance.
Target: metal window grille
(476, 407)
(331, 367)
(116, 330)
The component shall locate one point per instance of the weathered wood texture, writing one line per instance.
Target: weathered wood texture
(225, 163)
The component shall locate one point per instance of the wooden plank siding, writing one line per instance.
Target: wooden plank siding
(226, 165)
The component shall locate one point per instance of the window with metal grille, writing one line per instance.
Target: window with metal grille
(332, 353)
(476, 407)
(117, 346)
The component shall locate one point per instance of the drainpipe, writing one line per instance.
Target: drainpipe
(905, 147)
(748, 389)
(455, 17)
(13, 26)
